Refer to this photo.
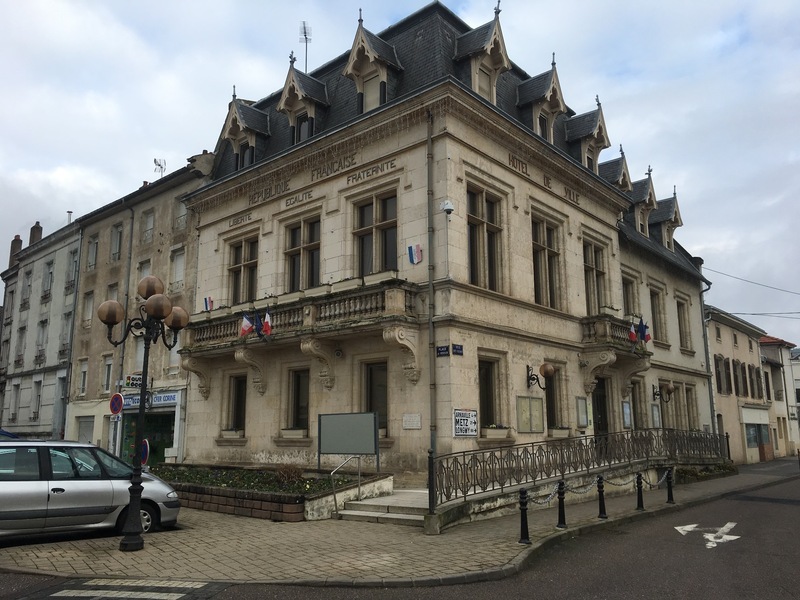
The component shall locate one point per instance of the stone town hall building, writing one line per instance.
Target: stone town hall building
(426, 225)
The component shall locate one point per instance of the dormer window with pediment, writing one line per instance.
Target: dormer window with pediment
(616, 172)
(370, 62)
(301, 98)
(588, 136)
(486, 50)
(667, 217)
(243, 126)
(643, 196)
(543, 94)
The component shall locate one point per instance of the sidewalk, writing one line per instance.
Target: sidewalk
(215, 547)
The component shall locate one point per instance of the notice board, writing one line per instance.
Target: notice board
(349, 433)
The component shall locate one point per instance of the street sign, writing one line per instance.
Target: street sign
(133, 380)
(712, 535)
(145, 451)
(115, 404)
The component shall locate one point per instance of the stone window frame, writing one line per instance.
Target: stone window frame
(485, 242)
(303, 250)
(555, 274)
(379, 229)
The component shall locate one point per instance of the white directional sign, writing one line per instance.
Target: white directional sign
(712, 535)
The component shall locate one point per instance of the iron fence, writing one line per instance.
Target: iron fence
(459, 475)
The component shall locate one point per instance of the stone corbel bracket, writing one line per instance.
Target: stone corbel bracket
(324, 352)
(248, 357)
(198, 367)
(594, 364)
(407, 340)
(632, 369)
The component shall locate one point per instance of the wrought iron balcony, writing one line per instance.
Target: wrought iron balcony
(362, 308)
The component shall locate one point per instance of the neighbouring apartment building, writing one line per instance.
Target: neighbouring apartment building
(779, 388)
(147, 232)
(40, 292)
(745, 412)
(428, 232)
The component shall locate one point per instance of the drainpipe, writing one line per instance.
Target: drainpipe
(431, 303)
(709, 374)
(63, 418)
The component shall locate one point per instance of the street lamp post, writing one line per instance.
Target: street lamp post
(156, 313)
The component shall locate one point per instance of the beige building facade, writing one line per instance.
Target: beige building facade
(452, 255)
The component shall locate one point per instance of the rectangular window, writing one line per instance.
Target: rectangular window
(727, 375)
(36, 400)
(144, 269)
(735, 340)
(88, 308)
(487, 382)
(718, 333)
(72, 271)
(544, 127)
(485, 83)
(483, 239)
(552, 397)
(107, 368)
(112, 291)
(91, 253)
(372, 92)
(41, 336)
(376, 235)
(148, 227)
(594, 277)
(590, 160)
(47, 280)
(27, 282)
(299, 394)
(302, 128)
(303, 254)
(22, 332)
(243, 270)
(377, 392)
(658, 322)
(546, 263)
(238, 403)
(178, 268)
(181, 216)
(82, 377)
(683, 324)
(630, 306)
(116, 242)
(751, 372)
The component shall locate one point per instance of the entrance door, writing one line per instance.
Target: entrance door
(600, 408)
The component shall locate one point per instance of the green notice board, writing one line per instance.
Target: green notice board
(348, 433)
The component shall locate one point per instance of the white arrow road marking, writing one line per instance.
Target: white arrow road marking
(716, 536)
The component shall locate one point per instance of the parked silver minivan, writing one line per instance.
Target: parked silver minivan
(63, 486)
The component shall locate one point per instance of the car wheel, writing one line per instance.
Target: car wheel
(149, 518)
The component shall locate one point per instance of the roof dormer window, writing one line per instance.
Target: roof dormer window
(544, 127)
(590, 159)
(302, 128)
(302, 94)
(486, 50)
(372, 92)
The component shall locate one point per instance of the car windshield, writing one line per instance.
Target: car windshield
(113, 466)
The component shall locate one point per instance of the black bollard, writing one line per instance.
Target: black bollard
(670, 499)
(639, 497)
(601, 495)
(562, 519)
(524, 538)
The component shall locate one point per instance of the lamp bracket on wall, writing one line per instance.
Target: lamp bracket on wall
(663, 393)
(546, 370)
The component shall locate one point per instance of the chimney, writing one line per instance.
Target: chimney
(36, 234)
(16, 246)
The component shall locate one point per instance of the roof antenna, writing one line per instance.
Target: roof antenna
(161, 165)
(305, 36)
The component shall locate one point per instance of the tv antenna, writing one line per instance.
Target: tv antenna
(305, 37)
(161, 165)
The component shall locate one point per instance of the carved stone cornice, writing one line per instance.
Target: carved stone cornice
(593, 364)
(324, 352)
(259, 368)
(198, 367)
(406, 339)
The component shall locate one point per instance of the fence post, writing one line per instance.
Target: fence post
(601, 495)
(431, 485)
(670, 499)
(524, 537)
(728, 443)
(562, 519)
(639, 497)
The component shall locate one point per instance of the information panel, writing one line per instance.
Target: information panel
(348, 433)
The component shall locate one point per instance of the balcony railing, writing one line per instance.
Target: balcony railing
(357, 308)
(606, 330)
(460, 475)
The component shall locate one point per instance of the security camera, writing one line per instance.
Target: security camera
(447, 206)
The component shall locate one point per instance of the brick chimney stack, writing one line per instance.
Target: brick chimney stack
(36, 234)
(16, 246)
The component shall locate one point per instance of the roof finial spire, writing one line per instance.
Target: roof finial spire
(649, 171)
(360, 20)
(292, 58)
(674, 191)
(553, 64)
(497, 10)
(234, 91)
(621, 151)
(597, 99)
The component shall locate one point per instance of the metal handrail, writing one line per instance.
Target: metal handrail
(333, 481)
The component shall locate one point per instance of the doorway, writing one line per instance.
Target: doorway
(600, 408)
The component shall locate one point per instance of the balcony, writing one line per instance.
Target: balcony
(63, 351)
(363, 308)
(608, 331)
(38, 358)
(46, 296)
(19, 361)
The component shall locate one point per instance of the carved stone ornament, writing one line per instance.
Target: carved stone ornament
(594, 364)
(248, 357)
(629, 370)
(406, 339)
(198, 367)
(324, 352)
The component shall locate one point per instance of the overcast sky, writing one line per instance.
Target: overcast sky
(707, 93)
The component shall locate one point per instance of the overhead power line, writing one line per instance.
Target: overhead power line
(753, 282)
